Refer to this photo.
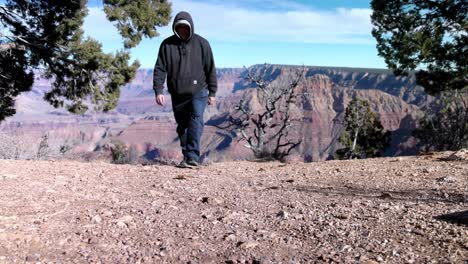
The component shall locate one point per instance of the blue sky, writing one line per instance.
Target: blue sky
(247, 32)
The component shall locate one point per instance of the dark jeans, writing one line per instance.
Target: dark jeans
(188, 113)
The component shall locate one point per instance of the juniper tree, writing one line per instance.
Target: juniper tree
(428, 36)
(47, 35)
(364, 135)
(445, 125)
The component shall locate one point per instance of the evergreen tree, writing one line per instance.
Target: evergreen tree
(363, 136)
(43, 149)
(446, 126)
(47, 35)
(429, 36)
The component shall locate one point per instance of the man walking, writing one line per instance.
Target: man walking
(186, 60)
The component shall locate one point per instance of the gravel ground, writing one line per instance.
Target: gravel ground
(390, 210)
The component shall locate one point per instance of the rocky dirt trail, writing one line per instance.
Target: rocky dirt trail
(390, 210)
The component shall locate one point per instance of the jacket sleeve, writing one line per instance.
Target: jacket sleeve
(210, 72)
(160, 71)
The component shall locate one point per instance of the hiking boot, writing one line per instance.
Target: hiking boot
(184, 165)
(192, 162)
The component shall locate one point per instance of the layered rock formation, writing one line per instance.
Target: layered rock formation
(322, 97)
(322, 102)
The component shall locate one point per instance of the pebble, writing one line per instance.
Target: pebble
(214, 201)
(283, 214)
(342, 216)
(97, 219)
(249, 244)
(32, 258)
(230, 237)
(121, 224)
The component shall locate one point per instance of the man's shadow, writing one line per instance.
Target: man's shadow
(455, 218)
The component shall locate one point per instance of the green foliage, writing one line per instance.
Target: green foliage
(66, 147)
(446, 127)
(121, 154)
(43, 149)
(363, 136)
(46, 35)
(135, 19)
(427, 36)
(13, 81)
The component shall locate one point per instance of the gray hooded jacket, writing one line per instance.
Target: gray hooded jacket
(188, 65)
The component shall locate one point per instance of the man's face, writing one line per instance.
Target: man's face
(183, 31)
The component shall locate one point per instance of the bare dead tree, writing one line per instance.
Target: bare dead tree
(266, 128)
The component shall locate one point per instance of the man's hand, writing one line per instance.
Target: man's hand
(211, 100)
(160, 100)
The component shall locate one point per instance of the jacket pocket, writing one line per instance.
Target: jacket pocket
(185, 85)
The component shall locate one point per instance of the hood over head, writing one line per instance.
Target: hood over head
(183, 18)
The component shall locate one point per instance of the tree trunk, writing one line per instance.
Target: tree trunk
(355, 140)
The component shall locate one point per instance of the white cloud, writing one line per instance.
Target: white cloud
(218, 21)
(299, 25)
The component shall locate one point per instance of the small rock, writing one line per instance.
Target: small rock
(214, 201)
(230, 237)
(384, 206)
(248, 244)
(126, 219)
(347, 248)
(426, 171)
(154, 193)
(466, 245)
(182, 177)
(365, 260)
(445, 179)
(173, 207)
(9, 176)
(97, 219)
(32, 258)
(207, 216)
(107, 213)
(121, 224)
(459, 155)
(342, 216)
(418, 232)
(282, 214)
